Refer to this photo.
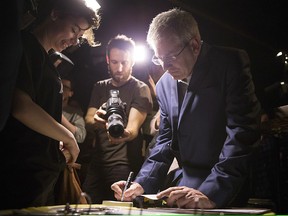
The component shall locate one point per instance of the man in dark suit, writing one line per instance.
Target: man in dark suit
(213, 132)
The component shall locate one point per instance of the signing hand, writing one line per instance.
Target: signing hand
(185, 197)
(134, 190)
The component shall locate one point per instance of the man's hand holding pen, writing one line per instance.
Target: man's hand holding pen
(131, 193)
(127, 185)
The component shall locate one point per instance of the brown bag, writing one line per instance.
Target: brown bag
(68, 189)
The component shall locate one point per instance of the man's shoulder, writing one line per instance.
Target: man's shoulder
(227, 50)
(105, 81)
(137, 83)
(31, 47)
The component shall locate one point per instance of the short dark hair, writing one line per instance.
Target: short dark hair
(121, 42)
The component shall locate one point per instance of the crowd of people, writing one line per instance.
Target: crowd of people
(206, 119)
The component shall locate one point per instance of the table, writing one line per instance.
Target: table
(96, 209)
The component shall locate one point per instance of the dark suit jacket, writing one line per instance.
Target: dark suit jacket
(216, 130)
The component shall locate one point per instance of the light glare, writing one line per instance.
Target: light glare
(140, 53)
(93, 4)
(279, 54)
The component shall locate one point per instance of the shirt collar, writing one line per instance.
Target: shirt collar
(186, 80)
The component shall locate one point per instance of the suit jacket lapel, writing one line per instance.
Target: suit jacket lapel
(199, 72)
(175, 105)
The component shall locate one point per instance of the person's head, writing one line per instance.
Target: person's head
(120, 59)
(60, 23)
(67, 90)
(174, 36)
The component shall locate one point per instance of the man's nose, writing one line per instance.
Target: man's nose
(165, 65)
(120, 67)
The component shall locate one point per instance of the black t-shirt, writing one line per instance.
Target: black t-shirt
(40, 80)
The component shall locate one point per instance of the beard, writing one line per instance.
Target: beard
(118, 78)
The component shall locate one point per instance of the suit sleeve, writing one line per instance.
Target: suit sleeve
(156, 166)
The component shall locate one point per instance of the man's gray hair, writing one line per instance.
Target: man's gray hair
(173, 22)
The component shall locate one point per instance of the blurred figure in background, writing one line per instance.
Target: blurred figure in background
(151, 124)
(72, 117)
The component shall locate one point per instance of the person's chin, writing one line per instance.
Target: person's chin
(62, 47)
(175, 76)
(119, 79)
(58, 49)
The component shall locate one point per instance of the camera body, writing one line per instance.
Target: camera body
(115, 114)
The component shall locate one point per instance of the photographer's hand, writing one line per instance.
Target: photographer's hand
(135, 120)
(94, 120)
(99, 122)
(126, 136)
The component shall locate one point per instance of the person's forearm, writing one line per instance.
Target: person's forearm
(68, 125)
(89, 120)
(37, 119)
(154, 124)
(135, 121)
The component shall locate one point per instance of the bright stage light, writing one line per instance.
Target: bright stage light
(140, 54)
(279, 54)
(93, 4)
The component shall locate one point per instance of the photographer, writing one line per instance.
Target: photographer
(112, 159)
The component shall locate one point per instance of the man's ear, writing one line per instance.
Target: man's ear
(196, 44)
(107, 59)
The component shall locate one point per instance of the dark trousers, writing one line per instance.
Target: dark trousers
(99, 179)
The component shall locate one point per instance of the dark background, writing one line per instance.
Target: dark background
(258, 26)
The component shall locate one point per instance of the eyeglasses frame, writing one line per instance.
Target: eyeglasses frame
(160, 61)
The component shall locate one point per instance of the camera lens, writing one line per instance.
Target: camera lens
(115, 125)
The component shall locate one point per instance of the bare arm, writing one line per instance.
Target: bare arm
(34, 117)
(89, 118)
(68, 125)
(154, 124)
(135, 120)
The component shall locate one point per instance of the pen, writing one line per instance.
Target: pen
(127, 185)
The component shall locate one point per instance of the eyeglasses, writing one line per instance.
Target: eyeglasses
(168, 59)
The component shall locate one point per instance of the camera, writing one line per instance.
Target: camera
(115, 114)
